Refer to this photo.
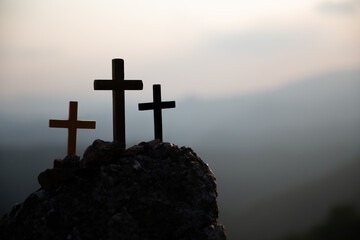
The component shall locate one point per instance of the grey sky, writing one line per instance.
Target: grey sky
(194, 48)
(339, 7)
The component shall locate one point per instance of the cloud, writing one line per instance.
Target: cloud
(264, 41)
(339, 7)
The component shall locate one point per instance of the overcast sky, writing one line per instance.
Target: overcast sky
(201, 48)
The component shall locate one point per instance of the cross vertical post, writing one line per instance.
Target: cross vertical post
(72, 124)
(157, 105)
(118, 102)
(157, 112)
(118, 86)
(71, 144)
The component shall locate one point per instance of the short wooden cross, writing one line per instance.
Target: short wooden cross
(72, 124)
(118, 86)
(157, 105)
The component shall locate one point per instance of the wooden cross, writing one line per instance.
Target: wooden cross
(118, 86)
(72, 124)
(157, 105)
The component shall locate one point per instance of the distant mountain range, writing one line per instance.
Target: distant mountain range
(258, 145)
(296, 209)
(297, 132)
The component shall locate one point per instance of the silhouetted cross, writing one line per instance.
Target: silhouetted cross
(72, 125)
(157, 106)
(118, 86)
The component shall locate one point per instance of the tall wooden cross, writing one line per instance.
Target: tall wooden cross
(118, 86)
(157, 105)
(72, 124)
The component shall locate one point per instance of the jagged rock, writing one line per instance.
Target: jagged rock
(64, 170)
(150, 191)
(71, 161)
(100, 153)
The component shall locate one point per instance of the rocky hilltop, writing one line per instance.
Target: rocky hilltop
(150, 191)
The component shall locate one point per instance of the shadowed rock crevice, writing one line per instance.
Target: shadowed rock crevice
(150, 191)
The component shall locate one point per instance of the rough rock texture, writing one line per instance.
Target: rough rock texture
(150, 191)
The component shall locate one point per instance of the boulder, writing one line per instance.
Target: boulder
(150, 191)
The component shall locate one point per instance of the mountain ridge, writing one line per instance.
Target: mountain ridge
(298, 208)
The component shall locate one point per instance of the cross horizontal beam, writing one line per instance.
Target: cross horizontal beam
(163, 105)
(118, 85)
(78, 124)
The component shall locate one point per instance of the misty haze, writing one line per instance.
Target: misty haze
(289, 154)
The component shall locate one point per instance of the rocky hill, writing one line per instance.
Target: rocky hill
(150, 191)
